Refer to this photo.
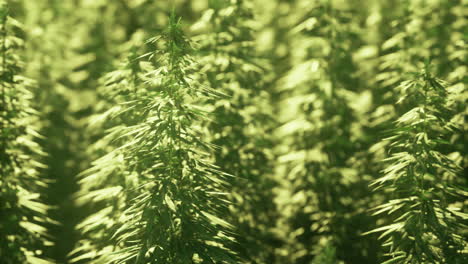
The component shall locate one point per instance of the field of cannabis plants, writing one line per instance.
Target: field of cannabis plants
(233, 131)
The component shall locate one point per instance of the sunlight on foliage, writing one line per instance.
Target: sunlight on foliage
(233, 131)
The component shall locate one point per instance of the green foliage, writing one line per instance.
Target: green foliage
(22, 211)
(253, 132)
(427, 221)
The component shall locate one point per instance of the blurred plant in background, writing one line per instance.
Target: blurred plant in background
(242, 122)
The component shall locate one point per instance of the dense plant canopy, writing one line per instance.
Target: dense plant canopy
(233, 131)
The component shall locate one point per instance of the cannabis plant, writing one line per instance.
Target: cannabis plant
(22, 234)
(421, 180)
(174, 197)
